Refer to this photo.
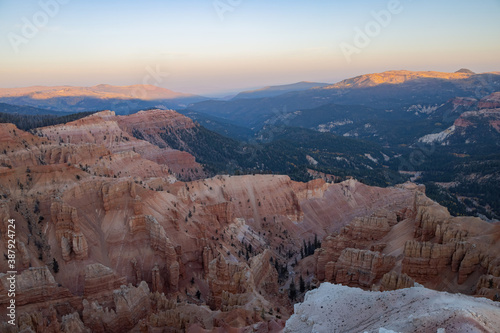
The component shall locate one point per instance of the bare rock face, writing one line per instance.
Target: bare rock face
(369, 228)
(113, 194)
(157, 283)
(177, 317)
(489, 286)
(424, 243)
(423, 259)
(361, 267)
(264, 274)
(73, 242)
(38, 322)
(394, 281)
(329, 253)
(23, 255)
(72, 323)
(429, 216)
(99, 281)
(207, 257)
(22, 149)
(158, 241)
(469, 264)
(130, 305)
(226, 277)
(359, 234)
(173, 275)
(221, 211)
(34, 285)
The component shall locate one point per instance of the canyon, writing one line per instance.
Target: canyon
(117, 232)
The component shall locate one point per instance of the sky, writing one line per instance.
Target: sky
(220, 46)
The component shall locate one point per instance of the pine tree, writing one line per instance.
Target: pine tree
(292, 291)
(55, 265)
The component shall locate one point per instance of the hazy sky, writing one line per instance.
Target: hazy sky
(208, 46)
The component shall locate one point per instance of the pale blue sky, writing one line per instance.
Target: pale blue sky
(257, 43)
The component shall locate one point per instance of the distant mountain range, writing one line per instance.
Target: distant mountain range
(123, 99)
(393, 91)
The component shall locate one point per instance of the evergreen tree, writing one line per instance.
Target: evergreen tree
(292, 291)
(302, 285)
(55, 265)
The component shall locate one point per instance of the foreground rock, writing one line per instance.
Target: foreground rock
(331, 307)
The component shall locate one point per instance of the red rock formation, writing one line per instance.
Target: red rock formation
(489, 286)
(429, 216)
(463, 101)
(72, 241)
(34, 285)
(156, 283)
(360, 233)
(265, 277)
(99, 280)
(328, 254)
(461, 122)
(130, 305)
(361, 267)
(490, 102)
(72, 323)
(369, 228)
(221, 211)
(423, 259)
(394, 281)
(207, 257)
(469, 264)
(117, 134)
(226, 277)
(137, 270)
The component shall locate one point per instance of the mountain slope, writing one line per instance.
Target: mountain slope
(271, 91)
(396, 77)
(219, 125)
(25, 110)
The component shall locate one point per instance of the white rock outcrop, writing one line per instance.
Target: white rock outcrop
(337, 308)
